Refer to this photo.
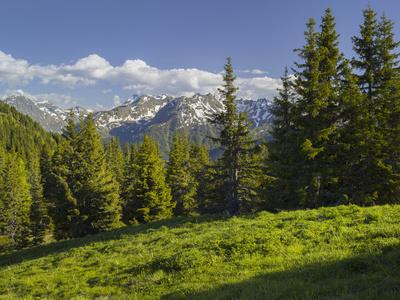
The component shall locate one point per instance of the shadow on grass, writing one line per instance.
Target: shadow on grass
(363, 277)
(18, 256)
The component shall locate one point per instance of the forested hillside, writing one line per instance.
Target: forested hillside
(335, 139)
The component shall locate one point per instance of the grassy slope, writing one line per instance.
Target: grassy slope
(346, 252)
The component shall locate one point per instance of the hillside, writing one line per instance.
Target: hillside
(344, 252)
(157, 116)
(20, 132)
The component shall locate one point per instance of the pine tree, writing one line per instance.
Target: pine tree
(150, 197)
(317, 112)
(127, 190)
(115, 160)
(388, 100)
(3, 161)
(379, 80)
(235, 166)
(180, 176)
(16, 201)
(351, 147)
(39, 218)
(366, 49)
(283, 156)
(58, 190)
(98, 196)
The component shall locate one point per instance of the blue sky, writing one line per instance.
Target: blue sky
(96, 53)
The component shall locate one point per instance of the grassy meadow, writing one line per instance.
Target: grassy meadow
(345, 252)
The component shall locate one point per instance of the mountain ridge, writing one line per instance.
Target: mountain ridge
(158, 116)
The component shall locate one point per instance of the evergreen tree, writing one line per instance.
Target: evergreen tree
(351, 147)
(283, 156)
(84, 195)
(58, 190)
(366, 49)
(388, 110)
(235, 167)
(98, 193)
(39, 217)
(377, 64)
(15, 201)
(317, 113)
(180, 176)
(115, 160)
(150, 197)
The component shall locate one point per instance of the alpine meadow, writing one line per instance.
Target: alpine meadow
(229, 184)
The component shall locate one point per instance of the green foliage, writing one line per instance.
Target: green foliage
(148, 197)
(84, 195)
(236, 185)
(336, 133)
(115, 160)
(20, 133)
(15, 200)
(345, 252)
(181, 176)
(40, 220)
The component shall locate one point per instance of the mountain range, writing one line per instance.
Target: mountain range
(158, 116)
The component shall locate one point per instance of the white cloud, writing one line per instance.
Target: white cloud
(257, 87)
(134, 75)
(253, 71)
(117, 100)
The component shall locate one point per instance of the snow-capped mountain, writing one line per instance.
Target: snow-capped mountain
(158, 116)
(51, 117)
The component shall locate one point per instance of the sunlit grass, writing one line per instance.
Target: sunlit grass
(344, 252)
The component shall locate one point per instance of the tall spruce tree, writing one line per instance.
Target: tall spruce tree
(235, 166)
(351, 146)
(283, 156)
(377, 66)
(16, 201)
(388, 116)
(115, 160)
(149, 198)
(366, 49)
(84, 195)
(181, 177)
(60, 180)
(98, 193)
(39, 217)
(317, 113)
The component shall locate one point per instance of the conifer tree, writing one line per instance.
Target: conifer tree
(180, 176)
(150, 197)
(377, 66)
(16, 201)
(127, 189)
(317, 113)
(3, 160)
(235, 165)
(115, 160)
(351, 147)
(283, 156)
(59, 183)
(98, 194)
(39, 217)
(366, 49)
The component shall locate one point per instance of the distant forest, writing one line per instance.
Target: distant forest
(335, 139)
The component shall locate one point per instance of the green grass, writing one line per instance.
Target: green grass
(344, 252)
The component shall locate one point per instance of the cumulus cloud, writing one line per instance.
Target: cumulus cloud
(133, 75)
(14, 72)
